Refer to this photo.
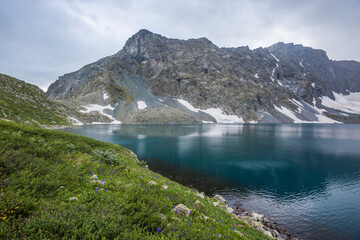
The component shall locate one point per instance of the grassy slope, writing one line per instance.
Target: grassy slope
(41, 169)
(26, 103)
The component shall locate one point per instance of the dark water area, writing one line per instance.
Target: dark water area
(305, 177)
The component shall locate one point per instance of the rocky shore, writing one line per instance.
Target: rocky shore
(262, 223)
(254, 219)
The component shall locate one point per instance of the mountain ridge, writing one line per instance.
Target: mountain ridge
(250, 84)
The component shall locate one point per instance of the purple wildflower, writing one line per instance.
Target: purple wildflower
(159, 229)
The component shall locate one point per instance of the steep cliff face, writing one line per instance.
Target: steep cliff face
(154, 79)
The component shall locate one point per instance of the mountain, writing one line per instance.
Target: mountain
(25, 103)
(154, 79)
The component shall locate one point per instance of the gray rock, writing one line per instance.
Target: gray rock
(181, 209)
(200, 195)
(220, 199)
(73, 199)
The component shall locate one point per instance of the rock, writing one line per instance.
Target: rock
(164, 187)
(152, 183)
(220, 199)
(182, 209)
(237, 204)
(73, 199)
(280, 229)
(162, 216)
(229, 210)
(237, 212)
(216, 204)
(237, 231)
(198, 203)
(202, 216)
(257, 216)
(200, 195)
(62, 187)
(267, 233)
(94, 176)
(98, 181)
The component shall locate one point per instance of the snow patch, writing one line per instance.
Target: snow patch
(219, 115)
(141, 105)
(273, 72)
(105, 95)
(347, 103)
(274, 57)
(187, 105)
(207, 122)
(75, 121)
(301, 64)
(99, 108)
(290, 114)
(256, 75)
(313, 84)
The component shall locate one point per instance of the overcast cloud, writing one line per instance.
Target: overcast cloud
(41, 40)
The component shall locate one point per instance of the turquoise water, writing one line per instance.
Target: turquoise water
(305, 177)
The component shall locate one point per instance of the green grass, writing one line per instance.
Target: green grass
(25, 103)
(40, 170)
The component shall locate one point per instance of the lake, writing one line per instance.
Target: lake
(305, 177)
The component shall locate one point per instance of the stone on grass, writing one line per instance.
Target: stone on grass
(152, 183)
(165, 187)
(220, 199)
(198, 203)
(200, 195)
(73, 199)
(267, 233)
(229, 210)
(98, 181)
(236, 231)
(182, 209)
(94, 176)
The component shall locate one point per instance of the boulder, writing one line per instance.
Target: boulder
(152, 183)
(257, 216)
(200, 195)
(181, 209)
(220, 199)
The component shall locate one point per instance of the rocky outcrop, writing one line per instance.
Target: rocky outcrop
(154, 79)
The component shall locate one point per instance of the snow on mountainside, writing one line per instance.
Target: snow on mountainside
(154, 79)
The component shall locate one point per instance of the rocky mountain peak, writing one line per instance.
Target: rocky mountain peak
(158, 79)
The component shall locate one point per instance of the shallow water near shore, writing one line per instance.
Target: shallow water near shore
(305, 177)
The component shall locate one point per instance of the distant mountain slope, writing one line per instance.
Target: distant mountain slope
(26, 103)
(154, 79)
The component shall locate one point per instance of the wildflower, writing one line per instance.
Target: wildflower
(159, 229)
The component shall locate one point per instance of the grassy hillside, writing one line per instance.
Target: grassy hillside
(46, 192)
(26, 103)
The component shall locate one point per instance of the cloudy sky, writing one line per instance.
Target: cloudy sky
(43, 39)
